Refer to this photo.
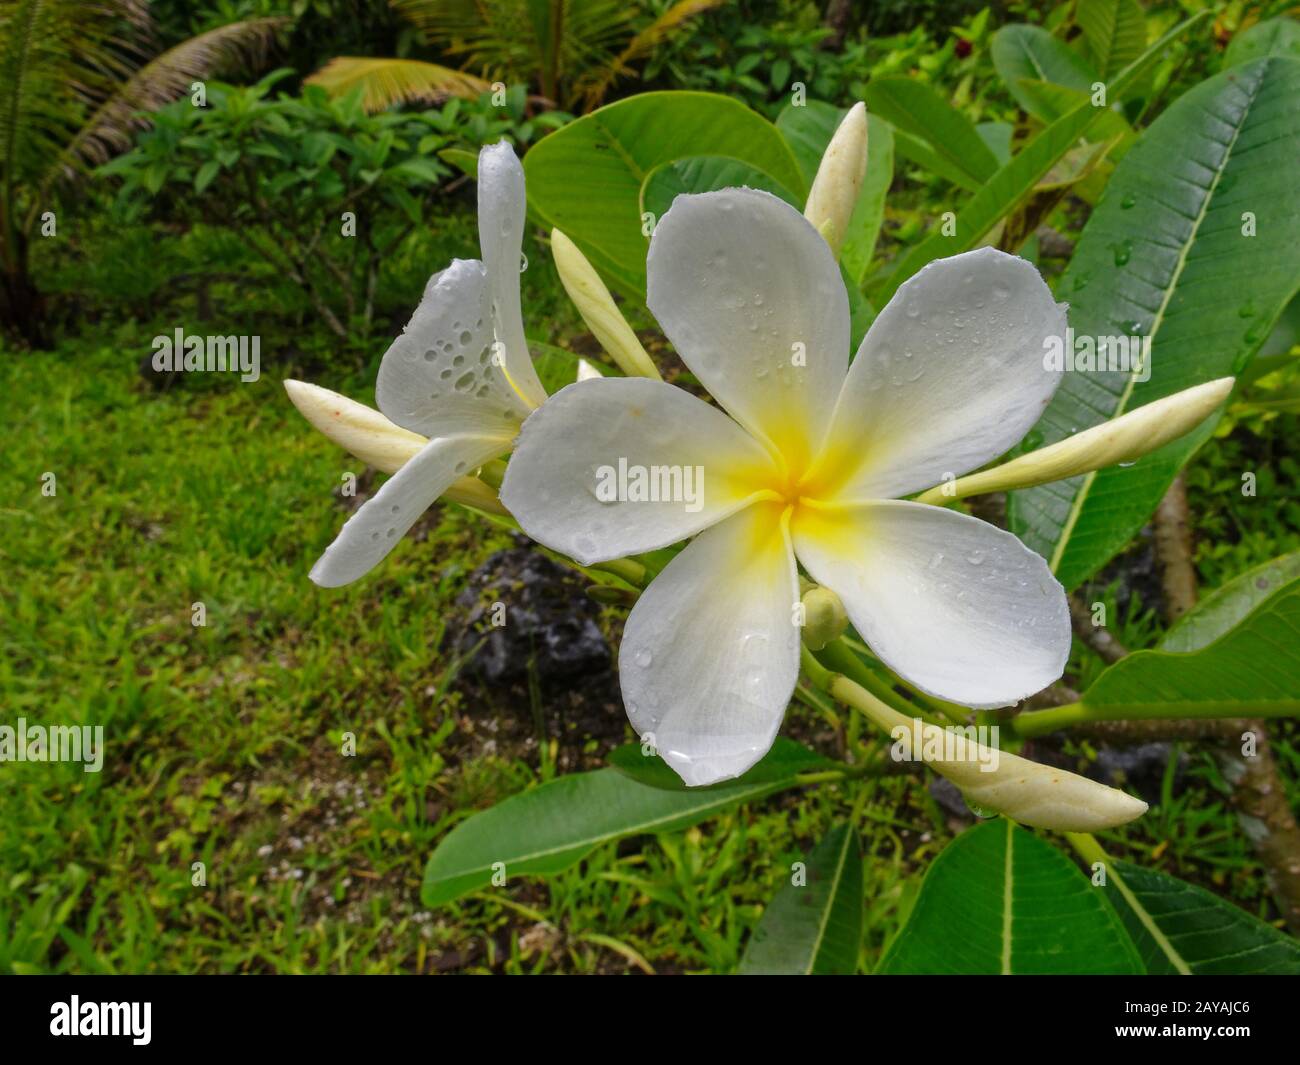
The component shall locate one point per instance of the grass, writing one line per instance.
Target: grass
(226, 741)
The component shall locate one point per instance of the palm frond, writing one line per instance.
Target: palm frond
(56, 56)
(385, 82)
(162, 80)
(593, 86)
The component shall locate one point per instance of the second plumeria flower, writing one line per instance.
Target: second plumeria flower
(810, 465)
(460, 374)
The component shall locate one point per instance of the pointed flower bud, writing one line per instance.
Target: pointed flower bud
(1124, 439)
(839, 179)
(375, 440)
(598, 309)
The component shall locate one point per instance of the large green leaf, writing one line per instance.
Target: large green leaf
(915, 108)
(1164, 256)
(1180, 928)
(1114, 30)
(1000, 900)
(809, 129)
(704, 173)
(813, 927)
(1252, 670)
(586, 177)
(551, 827)
(1274, 36)
(1226, 607)
(1030, 53)
(1013, 185)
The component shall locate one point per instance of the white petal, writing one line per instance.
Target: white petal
(957, 607)
(749, 293)
(501, 212)
(564, 483)
(710, 652)
(374, 530)
(949, 376)
(439, 377)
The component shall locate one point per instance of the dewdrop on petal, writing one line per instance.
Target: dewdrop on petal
(598, 309)
(1124, 439)
(839, 179)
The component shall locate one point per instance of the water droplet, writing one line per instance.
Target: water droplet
(643, 659)
(1126, 203)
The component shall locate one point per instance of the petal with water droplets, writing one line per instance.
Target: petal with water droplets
(750, 295)
(950, 375)
(384, 519)
(955, 606)
(710, 652)
(617, 466)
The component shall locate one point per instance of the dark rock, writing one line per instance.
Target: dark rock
(1137, 576)
(523, 607)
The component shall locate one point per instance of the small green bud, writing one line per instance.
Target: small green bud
(824, 617)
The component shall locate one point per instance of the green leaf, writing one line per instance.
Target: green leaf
(1012, 186)
(1228, 606)
(1180, 928)
(915, 108)
(815, 928)
(207, 172)
(552, 827)
(464, 161)
(808, 130)
(1000, 900)
(1252, 670)
(1114, 30)
(782, 765)
(1274, 36)
(1030, 53)
(705, 173)
(586, 177)
(1163, 256)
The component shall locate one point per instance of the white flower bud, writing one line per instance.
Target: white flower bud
(839, 179)
(1124, 439)
(375, 440)
(1033, 794)
(599, 310)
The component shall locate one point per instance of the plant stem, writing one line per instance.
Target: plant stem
(1041, 722)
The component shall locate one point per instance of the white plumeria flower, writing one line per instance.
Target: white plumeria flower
(460, 374)
(810, 465)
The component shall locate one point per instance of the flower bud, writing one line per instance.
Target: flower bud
(1041, 796)
(375, 440)
(824, 617)
(839, 179)
(598, 309)
(1124, 439)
